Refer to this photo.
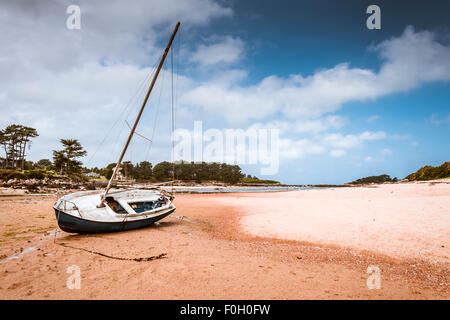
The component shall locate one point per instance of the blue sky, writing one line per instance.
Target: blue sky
(349, 102)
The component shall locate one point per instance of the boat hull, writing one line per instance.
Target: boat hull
(69, 223)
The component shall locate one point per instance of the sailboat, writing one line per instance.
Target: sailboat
(112, 210)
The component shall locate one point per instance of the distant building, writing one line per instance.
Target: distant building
(93, 174)
(120, 176)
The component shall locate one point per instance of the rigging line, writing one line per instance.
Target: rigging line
(177, 72)
(136, 133)
(139, 94)
(143, 86)
(127, 106)
(157, 113)
(143, 91)
(163, 82)
(131, 151)
(150, 73)
(117, 144)
(173, 142)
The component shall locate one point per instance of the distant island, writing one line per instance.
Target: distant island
(375, 179)
(423, 174)
(431, 173)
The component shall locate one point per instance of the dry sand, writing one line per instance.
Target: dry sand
(285, 245)
(401, 220)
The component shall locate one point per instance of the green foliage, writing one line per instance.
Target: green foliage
(43, 164)
(186, 171)
(108, 171)
(36, 174)
(430, 173)
(28, 165)
(143, 171)
(66, 159)
(163, 171)
(374, 179)
(15, 139)
(6, 175)
(256, 180)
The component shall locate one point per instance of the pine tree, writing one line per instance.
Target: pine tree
(66, 159)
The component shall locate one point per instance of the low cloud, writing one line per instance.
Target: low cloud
(318, 125)
(373, 118)
(333, 144)
(437, 120)
(373, 159)
(227, 51)
(73, 83)
(409, 61)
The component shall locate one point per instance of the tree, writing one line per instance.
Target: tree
(43, 164)
(373, 179)
(231, 174)
(127, 169)
(59, 160)
(163, 171)
(3, 142)
(108, 171)
(143, 171)
(66, 159)
(26, 133)
(15, 138)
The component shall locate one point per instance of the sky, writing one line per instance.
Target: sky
(348, 102)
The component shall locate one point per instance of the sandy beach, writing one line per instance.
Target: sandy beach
(307, 244)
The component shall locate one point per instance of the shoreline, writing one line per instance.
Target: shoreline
(187, 187)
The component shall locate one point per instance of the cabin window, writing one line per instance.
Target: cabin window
(139, 207)
(115, 206)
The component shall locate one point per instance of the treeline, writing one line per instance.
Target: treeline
(185, 171)
(142, 171)
(431, 173)
(375, 179)
(14, 140)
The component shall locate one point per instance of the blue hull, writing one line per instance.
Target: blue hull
(73, 224)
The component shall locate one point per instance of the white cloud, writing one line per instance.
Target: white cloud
(335, 144)
(338, 153)
(227, 51)
(373, 159)
(400, 137)
(413, 59)
(437, 120)
(386, 152)
(373, 118)
(303, 125)
(340, 141)
(34, 34)
(74, 83)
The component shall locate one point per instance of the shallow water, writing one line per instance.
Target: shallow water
(243, 189)
(18, 255)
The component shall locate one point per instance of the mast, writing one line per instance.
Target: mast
(139, 115)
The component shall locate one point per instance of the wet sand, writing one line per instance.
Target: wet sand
(229, 251)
